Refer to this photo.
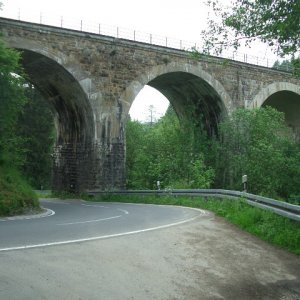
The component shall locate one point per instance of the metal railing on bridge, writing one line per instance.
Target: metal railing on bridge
(135, 35)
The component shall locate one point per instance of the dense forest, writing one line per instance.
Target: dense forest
(253, 142)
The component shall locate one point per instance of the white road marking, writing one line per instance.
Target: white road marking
(119, 209)
(90, 221)
(98, 206)
(123, 210)
(48, 213)
(98, 237)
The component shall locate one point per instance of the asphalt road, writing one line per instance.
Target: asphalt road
(125, 251)
(75, 220)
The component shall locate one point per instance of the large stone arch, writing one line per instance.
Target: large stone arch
(73, 114)
(271, 89)
(183, 85)
(285, 97)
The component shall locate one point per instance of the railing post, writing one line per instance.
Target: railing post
(61, 21)
(134, 35)
(99, 28)
(117, 32)
(80, 25)
(150, 38)
(166, 42)
(180, 44)
(40, 18)
(19, 14)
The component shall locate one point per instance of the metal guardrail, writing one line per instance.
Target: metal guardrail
(284, 209)
(135, 35)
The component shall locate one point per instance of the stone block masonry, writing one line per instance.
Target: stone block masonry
(91, 81)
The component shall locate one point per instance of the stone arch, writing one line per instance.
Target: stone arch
(61, 87)
(73, 115)
(271, 89)
(67, 99)
(285, 97)
(183, 84)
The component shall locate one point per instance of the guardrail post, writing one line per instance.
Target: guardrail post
(99, 28)
(134, 35)
(166, 42)
(150, 38)
(40, 18)
(117, 32)
(61, 21)
(180, 44)
(80, 25)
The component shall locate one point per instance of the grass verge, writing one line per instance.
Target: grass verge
(16, 196)
(264, 224)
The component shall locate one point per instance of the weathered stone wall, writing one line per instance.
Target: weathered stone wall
(111, 72)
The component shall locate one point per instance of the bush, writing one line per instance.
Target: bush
(16, 196)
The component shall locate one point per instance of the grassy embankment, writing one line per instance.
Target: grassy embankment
(266, 225)
(16, 196)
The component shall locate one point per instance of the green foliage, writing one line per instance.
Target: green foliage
(167, 151)
(292, 65)
(257, 143)
(285, 65)
(16, 196)
(276, 23)
(253, 142)
(36, 127)
(266, 225)
(12, 100)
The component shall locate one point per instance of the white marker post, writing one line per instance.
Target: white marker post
(244, 181)
(158, 184)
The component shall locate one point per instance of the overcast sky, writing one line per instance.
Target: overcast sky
(183, 20)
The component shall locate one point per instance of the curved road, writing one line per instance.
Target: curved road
(79, 221)
(203, 257)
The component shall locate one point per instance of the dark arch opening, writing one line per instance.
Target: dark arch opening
(289, 103)
(192, 98)
(73, 119)
(67, 99)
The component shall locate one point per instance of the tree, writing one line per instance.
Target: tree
(275, 22)
(11, 104)
(257, 143)
(167, 151)
(36, 127)
(15, 195)
(285, 65)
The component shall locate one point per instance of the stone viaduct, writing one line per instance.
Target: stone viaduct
(91, 81)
